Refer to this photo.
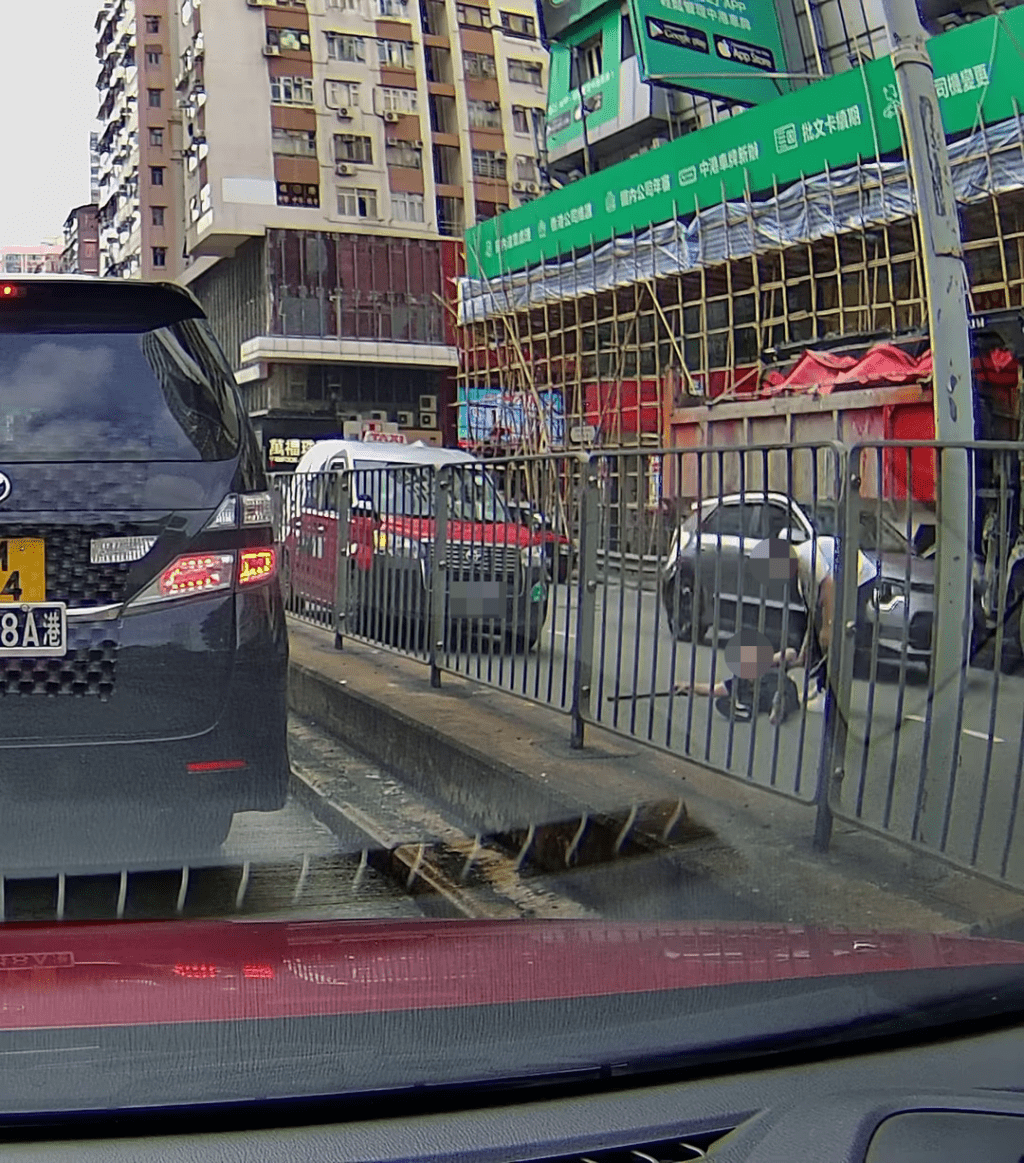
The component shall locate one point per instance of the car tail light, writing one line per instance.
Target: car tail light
(243, 510)
(256, 565)
(190, 575)
(196, 573)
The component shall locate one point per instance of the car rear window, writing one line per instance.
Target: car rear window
(92, 379)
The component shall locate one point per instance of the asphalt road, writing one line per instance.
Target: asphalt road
(887, 762)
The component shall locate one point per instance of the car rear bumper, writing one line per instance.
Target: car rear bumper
(177, 708)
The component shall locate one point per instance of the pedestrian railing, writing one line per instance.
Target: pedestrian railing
(772, 614)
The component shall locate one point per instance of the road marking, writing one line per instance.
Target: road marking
(965, 730)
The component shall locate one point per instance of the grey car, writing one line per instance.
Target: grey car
(709, 559)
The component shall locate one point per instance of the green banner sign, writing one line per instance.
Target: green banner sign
(831, 124)
(725, 48)
(596, 99)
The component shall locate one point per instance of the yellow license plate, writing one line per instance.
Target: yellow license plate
(22, 569)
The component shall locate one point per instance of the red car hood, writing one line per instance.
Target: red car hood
(141, 973)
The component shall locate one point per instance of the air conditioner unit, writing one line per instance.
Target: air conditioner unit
(344, 113)
(428, 419)
(501, 156)
(378, 415)
(532, 188)
(519, 187)
(428, 403)
(261, 3)
(416, 144)
(271, 50)
(391, 117)
(344, 170)
(391, 141)
(406, 419)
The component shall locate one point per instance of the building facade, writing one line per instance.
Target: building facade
(333, 154)
(45, 258)
(139, 195)
(696, 271)
(81, 254)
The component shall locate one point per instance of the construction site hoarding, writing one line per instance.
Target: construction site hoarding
(831, 124)
(729, 49)
(597, 99)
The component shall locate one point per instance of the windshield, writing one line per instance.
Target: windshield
(876, 533)
(559, 726)
(409, 491)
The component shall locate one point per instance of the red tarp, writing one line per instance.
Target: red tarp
(822, 372)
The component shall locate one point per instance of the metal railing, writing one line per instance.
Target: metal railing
(775, 621)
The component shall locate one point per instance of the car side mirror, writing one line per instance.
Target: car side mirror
(793, 536)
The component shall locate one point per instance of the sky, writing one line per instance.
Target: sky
(49, 97)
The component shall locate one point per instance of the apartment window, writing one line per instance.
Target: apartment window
(398, 100)
(587, 62)
(526, 119)
(488, 164)
(526, 72)
(342, 94)
(288, 39)
(298, 194)
(395, 54)
(484, 115)
(526, 169)
(159, 256)
(354, 202)
(407, 207)
(472, 16)
(403, 154)
(294, 142)
(152, 24)
(153, 57)
(399, 8)
(157, 215)
(353, 147)
(626, 39)
(156, 136)
(291, 90)
(516, 24)
(346, 5)
(478, 64)
(155, 97)
(156, 175)
(345, 48)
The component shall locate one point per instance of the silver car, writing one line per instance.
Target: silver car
(708, 580)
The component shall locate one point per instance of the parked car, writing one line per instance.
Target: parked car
(143, 648)
(709, 558)
(495, 572)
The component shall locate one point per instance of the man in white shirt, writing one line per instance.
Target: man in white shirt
(815, 568)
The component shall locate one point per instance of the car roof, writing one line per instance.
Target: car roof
(324, 452)
(757, 496)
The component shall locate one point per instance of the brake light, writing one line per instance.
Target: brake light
(195, 972)
(256, 565)
(197, 573)
(258, 972)
(10, 291)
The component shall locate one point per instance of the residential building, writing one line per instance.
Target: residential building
(333, 156)
(81, 255)
(44, 258)
(139, 183)
(94, 167)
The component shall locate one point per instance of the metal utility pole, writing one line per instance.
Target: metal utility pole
(946, 279)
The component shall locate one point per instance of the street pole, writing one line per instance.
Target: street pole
(953, 399)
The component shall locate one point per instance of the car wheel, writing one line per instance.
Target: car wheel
(686, 619)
